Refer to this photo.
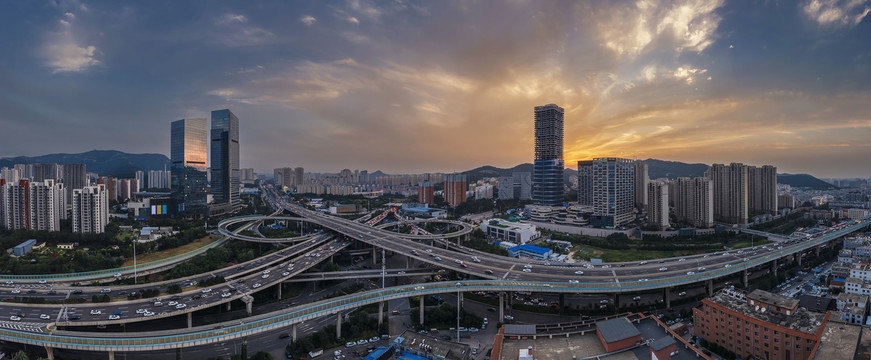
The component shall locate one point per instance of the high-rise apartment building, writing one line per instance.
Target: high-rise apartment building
(109, 183)
(762, 189)
(298, 176)
(730, 192)
(10, 175)
(364, 176)
(44, 172)
(141, 180)
(455, 189)
(159, 179)
(657, 204)
(785, 201)
(548, 167)
(32, 205)
(641, 181)
(693, 201)
(90, 209)
(225, 157)
(75, 177)
(246, 176)
(425, 190)
(585, 182)
(613, 192)
(188, 155)
(522, 185)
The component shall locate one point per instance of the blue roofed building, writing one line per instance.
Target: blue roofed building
(530, 251)
(24, 248)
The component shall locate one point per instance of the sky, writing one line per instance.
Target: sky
(407, 86)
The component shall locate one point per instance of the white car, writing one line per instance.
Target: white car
(96, 312)
(225, 295)
(285, 273)
(266, 271)
(118, 275)
(264, 276)
(681, 259)
(728, 265)
(574, 282)
(42, 281)
(150, 313)
(16, 290)
(257, 285)
(643, 263)
(181, 306)
(579, 272)
(527, 270)
(642, 279)
(173, 303)
(44, 316)
(691, 273)
(663, 268)
(140, 311)
(206, 291)
(114, 317)
(14, 318)
(362, 342)
(702, 269)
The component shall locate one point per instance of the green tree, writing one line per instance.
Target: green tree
(20, 355)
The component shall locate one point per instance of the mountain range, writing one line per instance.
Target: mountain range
(103, 162)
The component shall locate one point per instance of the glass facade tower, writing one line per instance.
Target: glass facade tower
(188, 170)
(225, 157)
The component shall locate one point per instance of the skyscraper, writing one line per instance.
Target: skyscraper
(90, 212)
(188, 170)
(762, 189)
(298, 176)
(730, 192)
(506, 188)
(425, 191)
(32, 205)
(44, 172)
(613, 192)
(522, 185)
(657, 203)
(225, 157)
(641, 189)
(75, 177)
(585, 182)
(455, 189)
(693, 201)
(547, 177)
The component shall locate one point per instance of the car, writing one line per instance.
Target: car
(225, 295)
(438, 258)
(14, 318)
(31, 291)
(636, 298)
(682, 293)
(464, 265)
(148, 313)
(285, 273)
(350, 344)
(118, 275)
(604, 301)
(196, 297)
(283, 336)
(701, 269)
(527, 266)
(401, 273)
(266, 271)
(44, 316)
(691, 272)
(643, 263)
(488, 271)
(256, 285)
(118, 313)
(473, 329)
(172, 303)
(206, 291)
(706, 256)
(574, 281)
(663, 268)
(414, 252)
(74, 317)
(114, 317)
(642, 280)
(362, 342)
(181, 306)
(264, 276)
(106, 290)
(10, 282)
(16, 290)
(527, 270)
(727, 266)
(42, 281)
(606, 266)
(96, 312)
(579, 272)
(373, 339)
(140, 311)
(681, 259)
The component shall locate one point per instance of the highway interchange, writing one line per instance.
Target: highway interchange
(505, 274)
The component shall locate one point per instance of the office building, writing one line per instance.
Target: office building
(613, 192)
(657, 204)
(530, 251)
(641, 189)
(548, 166)
(246, 176)
(90, 209)
(505, 188)
(730, 192)
(585, 182)
(225, 158)
(513, 232)
(43, 172)
(758, 324)
(282, 176)
(455, 189)
(188, 155)
(522, 185)
(785, 201)
(75, 177)
(425, 192)
(762, 189)
(693, 201)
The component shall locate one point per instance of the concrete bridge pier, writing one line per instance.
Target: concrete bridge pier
(339, 325)
(228, 306)
(421, 309)
(278, 291)
(249, 304)
(774, 267)
(50, 352)
(709, 286)
(798, 257)
(745, 277)
(374, 255)
(616, 302)
(502, 306)
(817, 251)
(380, 313)
(190, 320)
(293, 332)
(111, 355)
(666, 297)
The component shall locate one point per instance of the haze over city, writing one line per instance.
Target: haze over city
(446, 86)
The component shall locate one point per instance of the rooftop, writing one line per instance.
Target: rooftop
(514, 329)
(431, 345)
(842, 341)
(616, 329)
(661, 343)
(773, 299)
(802, 319)
(815, 303)
(531, 248)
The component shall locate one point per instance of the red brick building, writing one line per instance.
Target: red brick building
(617, 334)
(425, 192)
(761, 324)
(661, 349)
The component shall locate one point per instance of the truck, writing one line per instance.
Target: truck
(315, 352)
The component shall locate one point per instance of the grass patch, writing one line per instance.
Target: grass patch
(160, 255)
(607, 255)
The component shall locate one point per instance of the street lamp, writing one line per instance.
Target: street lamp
(458, 311)
(134, 261)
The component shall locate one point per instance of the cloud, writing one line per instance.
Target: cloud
(308, 20)
(64, 53)
(231, 18)
(688, 25)
(353, 20)
(837, 13)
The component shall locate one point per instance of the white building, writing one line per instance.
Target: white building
(483, 192)
(90, 209)
(32, 205)
(518, 233)
(657, 204)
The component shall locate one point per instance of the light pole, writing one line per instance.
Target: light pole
(458, 312)
(134, 261)
(383, 267)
